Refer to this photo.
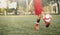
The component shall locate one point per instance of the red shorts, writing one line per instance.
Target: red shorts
(38, 7)
(38, 12)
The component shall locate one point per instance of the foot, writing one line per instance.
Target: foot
(37, 26)
(47, 24)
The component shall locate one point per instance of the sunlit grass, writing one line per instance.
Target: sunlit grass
(24, 25)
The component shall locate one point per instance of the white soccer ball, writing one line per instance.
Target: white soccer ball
(47, 18)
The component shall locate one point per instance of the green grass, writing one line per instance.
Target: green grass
(24, 25)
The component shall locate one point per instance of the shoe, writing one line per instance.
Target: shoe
(37, 26)
(47, 24)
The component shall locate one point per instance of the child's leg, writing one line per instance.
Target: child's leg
(37, 23)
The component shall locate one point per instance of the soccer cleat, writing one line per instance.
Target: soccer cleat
(37, 26)
(47, 24)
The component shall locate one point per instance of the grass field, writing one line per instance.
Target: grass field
(24, 25)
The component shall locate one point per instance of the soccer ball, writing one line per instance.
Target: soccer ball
(47, 18)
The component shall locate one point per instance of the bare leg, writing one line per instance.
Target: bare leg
(37, 23)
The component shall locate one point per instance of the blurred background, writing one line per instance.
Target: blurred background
(17, 17)
(26, 7)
